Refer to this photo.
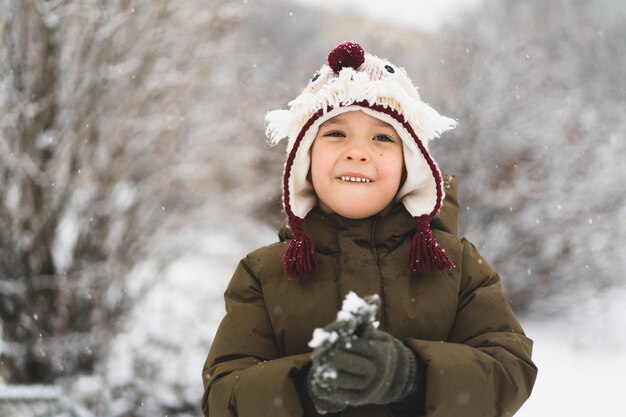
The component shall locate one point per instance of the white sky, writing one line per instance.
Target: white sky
(426, 15)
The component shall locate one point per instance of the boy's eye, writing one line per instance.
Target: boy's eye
(383, 138)
(335, 134)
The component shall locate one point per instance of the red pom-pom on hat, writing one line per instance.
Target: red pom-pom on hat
(346, 55)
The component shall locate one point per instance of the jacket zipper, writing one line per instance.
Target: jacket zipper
(383, 325)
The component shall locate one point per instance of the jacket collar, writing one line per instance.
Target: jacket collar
(385, 230)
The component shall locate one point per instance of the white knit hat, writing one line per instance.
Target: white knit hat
(351, 81)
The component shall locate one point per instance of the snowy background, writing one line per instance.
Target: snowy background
(134, 174)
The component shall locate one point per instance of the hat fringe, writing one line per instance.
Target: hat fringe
(300, 259)
(352, 86)
(425, 253)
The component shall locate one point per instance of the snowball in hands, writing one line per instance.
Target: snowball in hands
(354, 315)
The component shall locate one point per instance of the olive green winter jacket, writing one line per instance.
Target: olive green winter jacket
(476, 357)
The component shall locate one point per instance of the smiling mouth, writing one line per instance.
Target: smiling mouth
(354, 179)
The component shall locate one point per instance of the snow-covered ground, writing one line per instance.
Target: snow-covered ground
(581, 357)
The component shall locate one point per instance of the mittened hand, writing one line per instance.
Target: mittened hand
(368, 368)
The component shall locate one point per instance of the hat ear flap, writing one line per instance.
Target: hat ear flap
(300, 259)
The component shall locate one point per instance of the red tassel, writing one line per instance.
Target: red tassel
(425, 253)
(299, 260)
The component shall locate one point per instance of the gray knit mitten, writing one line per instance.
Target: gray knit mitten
(369, 368)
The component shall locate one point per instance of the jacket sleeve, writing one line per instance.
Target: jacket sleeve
(245, 375)
(485, 367)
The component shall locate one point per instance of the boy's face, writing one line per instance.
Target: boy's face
(356, 165)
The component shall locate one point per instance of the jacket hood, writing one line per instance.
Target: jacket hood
(447, 220)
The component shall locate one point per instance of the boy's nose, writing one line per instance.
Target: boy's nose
(354, 157)
(357, 153)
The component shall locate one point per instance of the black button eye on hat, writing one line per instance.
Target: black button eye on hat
(389, 69)
(315, 77)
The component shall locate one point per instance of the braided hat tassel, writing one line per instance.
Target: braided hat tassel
(425, 253)
(299, 260)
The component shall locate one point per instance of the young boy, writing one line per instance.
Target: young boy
(368, 211)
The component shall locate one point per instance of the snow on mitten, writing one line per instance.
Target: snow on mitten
(356, 364)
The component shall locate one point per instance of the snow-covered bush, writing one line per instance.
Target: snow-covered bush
(537, 89)
(97, 165)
